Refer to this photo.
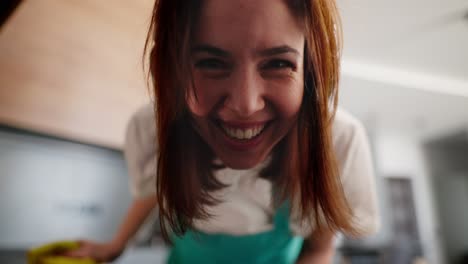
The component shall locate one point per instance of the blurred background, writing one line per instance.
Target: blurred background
(71, 76)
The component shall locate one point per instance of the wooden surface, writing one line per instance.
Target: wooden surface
(72, 68)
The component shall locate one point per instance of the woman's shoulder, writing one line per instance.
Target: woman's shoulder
(140, 151)
(351, 146)
(140, 137)
(141, 125)
(345, 124)
(347, 130)
(352, 149)
(143, 116)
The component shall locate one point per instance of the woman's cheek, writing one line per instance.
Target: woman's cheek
(204, 96)
(287, 96)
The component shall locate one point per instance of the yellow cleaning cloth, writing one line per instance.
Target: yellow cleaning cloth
(47, 254)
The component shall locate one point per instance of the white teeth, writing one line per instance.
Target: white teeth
(248, 133)
(258, 130)
(243, 133)
(239, 134)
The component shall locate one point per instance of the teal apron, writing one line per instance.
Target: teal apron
(278, 245)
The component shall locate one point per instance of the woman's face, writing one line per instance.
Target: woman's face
(247, 63)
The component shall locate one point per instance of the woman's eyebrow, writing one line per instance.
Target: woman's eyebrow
(277, 50)
(210, 49)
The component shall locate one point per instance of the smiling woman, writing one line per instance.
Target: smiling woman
(245, 98)
(247, 134)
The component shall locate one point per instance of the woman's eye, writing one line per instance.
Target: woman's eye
(279, 64)
(211, 64)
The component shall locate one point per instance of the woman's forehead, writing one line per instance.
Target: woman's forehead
(258, 24)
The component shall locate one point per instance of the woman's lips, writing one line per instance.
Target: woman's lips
(242, 125)
(229, 129)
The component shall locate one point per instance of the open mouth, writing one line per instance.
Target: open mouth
(242, 134)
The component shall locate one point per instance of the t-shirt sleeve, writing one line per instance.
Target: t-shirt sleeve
(140, 152)
(357, 172)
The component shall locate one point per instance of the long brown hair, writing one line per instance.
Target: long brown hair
(303, 167)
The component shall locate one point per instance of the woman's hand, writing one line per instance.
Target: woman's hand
(107, 252)
(100, 252)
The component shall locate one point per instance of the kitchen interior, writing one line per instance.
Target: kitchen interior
(71, 75)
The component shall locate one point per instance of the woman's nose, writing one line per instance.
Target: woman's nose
(245, 95)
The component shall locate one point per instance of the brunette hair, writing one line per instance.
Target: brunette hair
(303, 168)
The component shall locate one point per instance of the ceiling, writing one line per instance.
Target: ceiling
(405, 64)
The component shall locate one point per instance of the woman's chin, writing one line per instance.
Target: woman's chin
(242, 162)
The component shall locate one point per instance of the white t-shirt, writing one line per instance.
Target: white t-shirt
(247, 206)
